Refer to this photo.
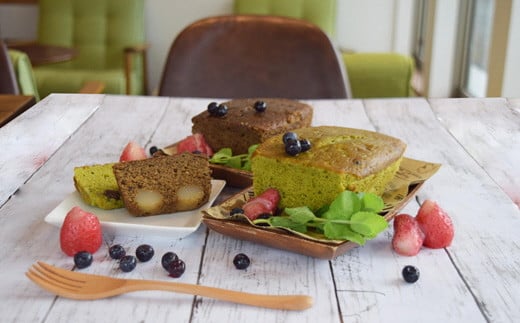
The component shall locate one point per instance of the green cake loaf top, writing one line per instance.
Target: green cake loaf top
(243, 126)
(337, 149)
(339, 159)
(97, 186)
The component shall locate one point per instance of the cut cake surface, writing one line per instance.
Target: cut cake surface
(97, 186)
(164, 184)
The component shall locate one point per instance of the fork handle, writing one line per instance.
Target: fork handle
(285, 302)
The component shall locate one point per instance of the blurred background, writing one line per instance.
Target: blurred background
(460, 48)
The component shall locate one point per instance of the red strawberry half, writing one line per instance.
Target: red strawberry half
(80, 231)
(408, 236)
(267, 202)
(132, 151)
(193, 144)
(436, 225)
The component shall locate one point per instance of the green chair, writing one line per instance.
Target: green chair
(109, 38)
(24, 73)
(370, 75)
(319, 12)
(379, 75)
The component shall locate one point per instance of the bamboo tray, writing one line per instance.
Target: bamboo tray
(282, 239)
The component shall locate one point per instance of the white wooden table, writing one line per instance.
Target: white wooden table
(476, 279)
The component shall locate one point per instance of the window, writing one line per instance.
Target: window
(420, 37)
(479, 25)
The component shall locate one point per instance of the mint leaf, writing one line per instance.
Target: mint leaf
(251, 149)
(286, 222)
(234, 162)
(351, 216)
(371, 202)
(342, 232)
(300, 215)
(222, 156)
(225, 157)
(343, 206)
(368, 223)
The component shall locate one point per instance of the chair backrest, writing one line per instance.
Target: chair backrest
(97, 29)
(319, 12)
(253, 56)
(24, 73)
(8, 82)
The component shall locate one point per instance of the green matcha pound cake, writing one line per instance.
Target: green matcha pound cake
(339, 159)
(97, 186)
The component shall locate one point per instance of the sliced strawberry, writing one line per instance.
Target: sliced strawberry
(132, 151)
(436, 225)
(80, 231)
(408, 237)
(255, 207)
(267, 202)
(194, 144)
(272, 195)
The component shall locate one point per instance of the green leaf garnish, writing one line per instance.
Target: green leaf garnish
(225, 157)
(350, 216)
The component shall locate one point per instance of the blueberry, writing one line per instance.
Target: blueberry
(289, 136)
(116, 251)
(127, 263)
(212, 108)
(241, 261)
(83, 259)
(153, 150)
(305, 144)
(293, 148)
(410, 274)
(264, 216)
(168, 258)
(176, 268)
(260, 106)
(144, 252)
(221, 110)
(236, 210)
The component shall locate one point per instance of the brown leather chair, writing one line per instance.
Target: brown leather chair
(253, 56)
(8, 82)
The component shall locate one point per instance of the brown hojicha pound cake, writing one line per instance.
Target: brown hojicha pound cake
(243, 126)
(164, 184)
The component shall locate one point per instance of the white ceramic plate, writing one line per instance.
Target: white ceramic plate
(120, 222)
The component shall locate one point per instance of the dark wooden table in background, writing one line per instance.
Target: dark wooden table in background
(13, 105)
(41, 54)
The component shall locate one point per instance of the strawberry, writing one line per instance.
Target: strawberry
(132, 151)
(194, 143)
(267, 202)
(80, 231)
(436, 225)
(408, 236)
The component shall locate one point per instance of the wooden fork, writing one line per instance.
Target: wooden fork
(76, 285)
